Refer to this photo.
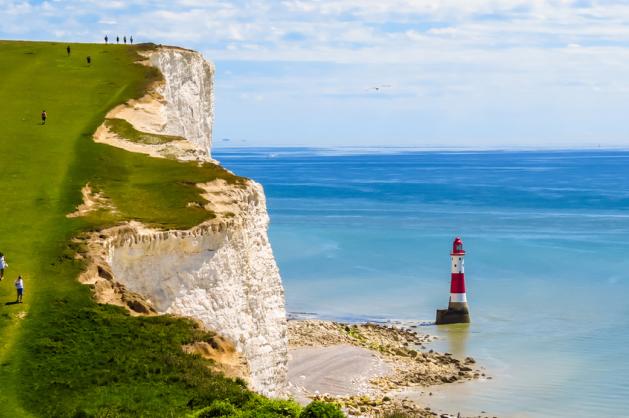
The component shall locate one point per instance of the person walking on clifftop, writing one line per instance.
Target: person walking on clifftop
(44, 115)
(19, 286)
(3, 265)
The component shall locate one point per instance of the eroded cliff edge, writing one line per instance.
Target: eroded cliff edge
(221, 272)
(188, 93)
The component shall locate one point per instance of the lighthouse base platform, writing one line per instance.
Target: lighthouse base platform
(457, 313)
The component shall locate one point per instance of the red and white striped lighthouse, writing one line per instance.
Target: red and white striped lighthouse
(458, 311)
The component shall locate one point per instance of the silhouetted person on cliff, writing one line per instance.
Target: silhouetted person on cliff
(131, 40)
(68, 50)
(106, 39)
(117, 39)
(44, 115)
(124, 39)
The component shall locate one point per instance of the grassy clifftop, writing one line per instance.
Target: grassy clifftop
(61, 354)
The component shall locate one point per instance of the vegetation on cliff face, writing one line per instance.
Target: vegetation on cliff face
(62, 354)
(125, 130)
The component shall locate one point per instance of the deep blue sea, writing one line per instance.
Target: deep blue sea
(367, 234)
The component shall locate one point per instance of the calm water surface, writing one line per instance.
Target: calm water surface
(368, 234)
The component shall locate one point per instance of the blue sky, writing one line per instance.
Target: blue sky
(463, 73)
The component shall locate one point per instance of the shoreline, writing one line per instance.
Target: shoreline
(365, 366)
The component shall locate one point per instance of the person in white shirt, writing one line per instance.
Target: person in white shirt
(3, 265)
(19, 286)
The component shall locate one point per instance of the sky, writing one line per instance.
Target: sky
(448, 73)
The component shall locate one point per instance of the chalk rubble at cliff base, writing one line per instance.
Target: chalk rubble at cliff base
(397, 347)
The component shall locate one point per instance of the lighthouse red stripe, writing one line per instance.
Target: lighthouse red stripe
(457, 285)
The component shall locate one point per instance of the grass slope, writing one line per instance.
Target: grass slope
(125, 130)
(61, 354)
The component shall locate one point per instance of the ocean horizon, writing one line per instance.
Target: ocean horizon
(366, 236)
(227, 147)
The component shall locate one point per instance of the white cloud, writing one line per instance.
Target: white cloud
(326, 29)
(448, 53)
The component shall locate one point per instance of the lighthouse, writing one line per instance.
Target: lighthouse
(457, 312)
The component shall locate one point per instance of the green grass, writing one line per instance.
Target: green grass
(354, 332)
(125, 130)
(61, 354)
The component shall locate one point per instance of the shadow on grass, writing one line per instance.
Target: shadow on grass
(15, 302)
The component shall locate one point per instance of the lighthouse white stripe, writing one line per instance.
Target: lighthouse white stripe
(458, 297)
(458, 264)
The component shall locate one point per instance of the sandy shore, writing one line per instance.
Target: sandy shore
(340, 370)
(364, 366)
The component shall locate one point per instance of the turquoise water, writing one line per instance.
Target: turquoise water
(367, 235)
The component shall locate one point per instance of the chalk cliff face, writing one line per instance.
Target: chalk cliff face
(221, 272)
(188, 92)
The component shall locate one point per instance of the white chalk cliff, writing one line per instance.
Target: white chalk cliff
(188, 91)
(221, 272)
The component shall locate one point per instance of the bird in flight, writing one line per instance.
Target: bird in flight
(380, 87)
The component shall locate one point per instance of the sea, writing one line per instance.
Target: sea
(365, 234)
